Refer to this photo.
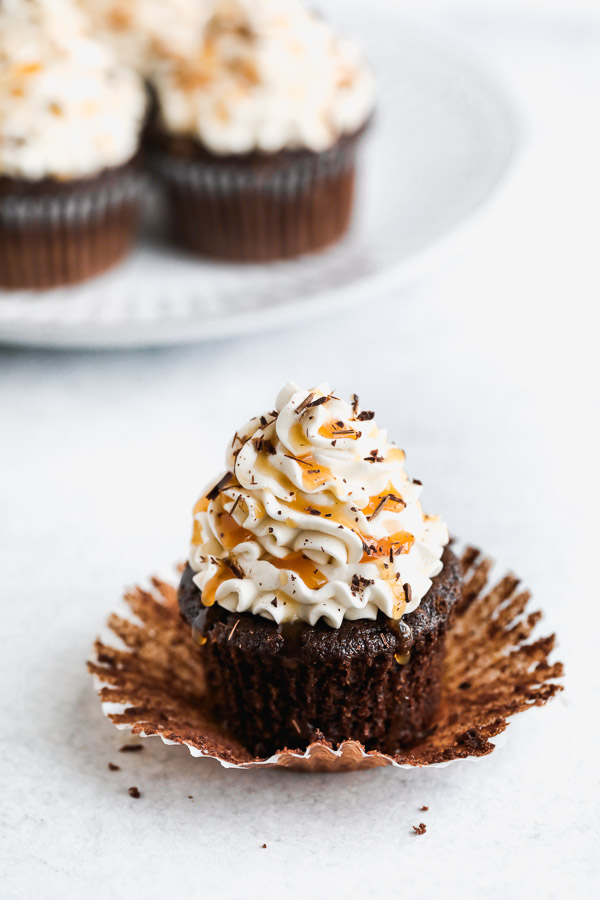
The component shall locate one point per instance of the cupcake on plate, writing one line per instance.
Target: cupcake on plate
(256, 131)
(318, 591)
(70, 123)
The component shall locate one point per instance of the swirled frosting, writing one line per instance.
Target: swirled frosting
(314, 518)
(144, 32)
(67, 109)
(265, 75)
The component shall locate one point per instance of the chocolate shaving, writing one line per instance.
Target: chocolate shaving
(354, 403)
(313, 511)
(233, 567)
(416, 481)
(382, 503)
(216, 490)
(113, 768)
(297, 459)
(131, 748)
(317, 402)
(234, 507)
(235, 625)
(373, 457)
(305, 403)
(365, 416)
(134, 792)
(407, 592)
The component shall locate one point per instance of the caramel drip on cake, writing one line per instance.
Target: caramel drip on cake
(231, 534)
(302, 566)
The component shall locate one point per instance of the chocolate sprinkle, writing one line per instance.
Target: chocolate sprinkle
(131, 748)
(113, 768)
(407, 592)
(134, 792)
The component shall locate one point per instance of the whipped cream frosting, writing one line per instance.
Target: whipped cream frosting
(142, 32)
(265, 75)
(314, 518)
(67, 108)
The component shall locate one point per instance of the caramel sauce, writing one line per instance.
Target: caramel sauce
(201, 505)
(314, 475)
(402, 658)
(209, 591)
(333, 431)
(302, 566)
(230, 533)
(389, 505)
(197, 537)
(400, 542)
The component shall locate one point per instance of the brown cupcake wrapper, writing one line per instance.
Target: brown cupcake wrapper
(287, 206)
(153, 684)
(59, 234)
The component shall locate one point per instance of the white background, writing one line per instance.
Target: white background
(486, 373)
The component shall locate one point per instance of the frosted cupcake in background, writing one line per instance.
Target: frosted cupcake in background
(256, 131)
(70, 124)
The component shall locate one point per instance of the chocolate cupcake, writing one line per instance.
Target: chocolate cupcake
(70, 121)
(318, 591)
(256, 132)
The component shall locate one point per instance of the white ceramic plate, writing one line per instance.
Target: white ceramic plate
(443, 138)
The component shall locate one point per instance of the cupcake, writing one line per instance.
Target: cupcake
(70, 122)
(256, 131)
(318, 592)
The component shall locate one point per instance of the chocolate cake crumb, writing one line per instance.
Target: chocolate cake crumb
(131, 748)
(134, 792)
(113, 768)
(420, 829)
(264, 847)
(424, 809)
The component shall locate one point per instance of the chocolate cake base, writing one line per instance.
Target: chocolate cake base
(255, 207)
(56, 232)
(275, 687)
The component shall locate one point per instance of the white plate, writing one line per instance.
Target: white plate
(443, 138)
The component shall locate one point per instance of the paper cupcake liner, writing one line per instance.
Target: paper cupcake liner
(67, 232)
(153, 683)
(264, 209)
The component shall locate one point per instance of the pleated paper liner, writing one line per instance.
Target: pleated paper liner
(153, 683)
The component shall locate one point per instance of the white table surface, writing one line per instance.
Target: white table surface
(486, 372)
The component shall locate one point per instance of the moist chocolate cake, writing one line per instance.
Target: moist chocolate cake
(281, 686)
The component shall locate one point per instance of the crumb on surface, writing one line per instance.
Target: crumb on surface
(420, 829)
(113, 768)
(134, 792)
(424, 808)
(131, 748)
(264, 847)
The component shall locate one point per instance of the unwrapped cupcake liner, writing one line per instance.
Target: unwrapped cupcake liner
(257, 211)
(68, 232)
(150, 680)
